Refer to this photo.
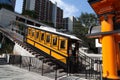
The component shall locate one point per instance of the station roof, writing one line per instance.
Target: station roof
(105, 6)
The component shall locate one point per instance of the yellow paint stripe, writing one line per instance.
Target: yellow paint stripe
(30, 42)
(42, 48)
(59, 57)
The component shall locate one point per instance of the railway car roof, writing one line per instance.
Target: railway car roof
(53, 30)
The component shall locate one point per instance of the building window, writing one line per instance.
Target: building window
(54, 41)
(62, 45)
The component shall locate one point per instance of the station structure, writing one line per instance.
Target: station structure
(108, 12)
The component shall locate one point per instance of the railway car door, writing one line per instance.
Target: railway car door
(73, 49)
(73, 55)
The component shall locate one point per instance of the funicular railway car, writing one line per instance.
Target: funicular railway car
(54, 44)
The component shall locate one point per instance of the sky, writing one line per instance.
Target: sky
(70, 7)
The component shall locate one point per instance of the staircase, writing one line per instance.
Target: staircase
(89, 65)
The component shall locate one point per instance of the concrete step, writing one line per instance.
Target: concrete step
(61, 70)
(41, 57)
(51, 63)
(46, 60)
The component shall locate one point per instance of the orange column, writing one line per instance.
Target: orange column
(118, 53)
(118, 57)
(108, 50)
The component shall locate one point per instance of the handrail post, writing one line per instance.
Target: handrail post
(56, 72)
(85, 69)
(29, 63)
(68, 68)
(20, 61)
(42, 67)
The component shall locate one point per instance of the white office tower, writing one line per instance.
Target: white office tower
(54, 14)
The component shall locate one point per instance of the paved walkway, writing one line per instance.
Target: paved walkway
(9, 72)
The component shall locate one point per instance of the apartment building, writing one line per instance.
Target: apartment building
(45, 11)
(59, 18)
(28, 5)
(69, 23)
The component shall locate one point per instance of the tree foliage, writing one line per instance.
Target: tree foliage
(81, 28)
(88, 19)
(7, 46)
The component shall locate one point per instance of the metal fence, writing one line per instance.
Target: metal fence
(85, 67)
(92, 67)
(36, 65)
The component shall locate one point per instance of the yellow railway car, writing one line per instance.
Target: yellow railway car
(55, 44)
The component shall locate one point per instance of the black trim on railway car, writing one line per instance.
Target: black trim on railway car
(47, 47)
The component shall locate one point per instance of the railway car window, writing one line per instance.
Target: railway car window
(62, 45)
(42, 36)
(37, 35)
(32, 33)
(48, 39)
(29, 31)
(54, 41)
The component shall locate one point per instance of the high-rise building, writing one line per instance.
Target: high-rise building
(50, 12)
(59, 18)
(65, 23)
(54, 14)
(41, 9)
(6, 4)
(69, 23)
(45, 11)
(28, 5)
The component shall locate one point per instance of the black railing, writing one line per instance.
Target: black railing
(80, 66)
(91, 67)
(36, 65)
